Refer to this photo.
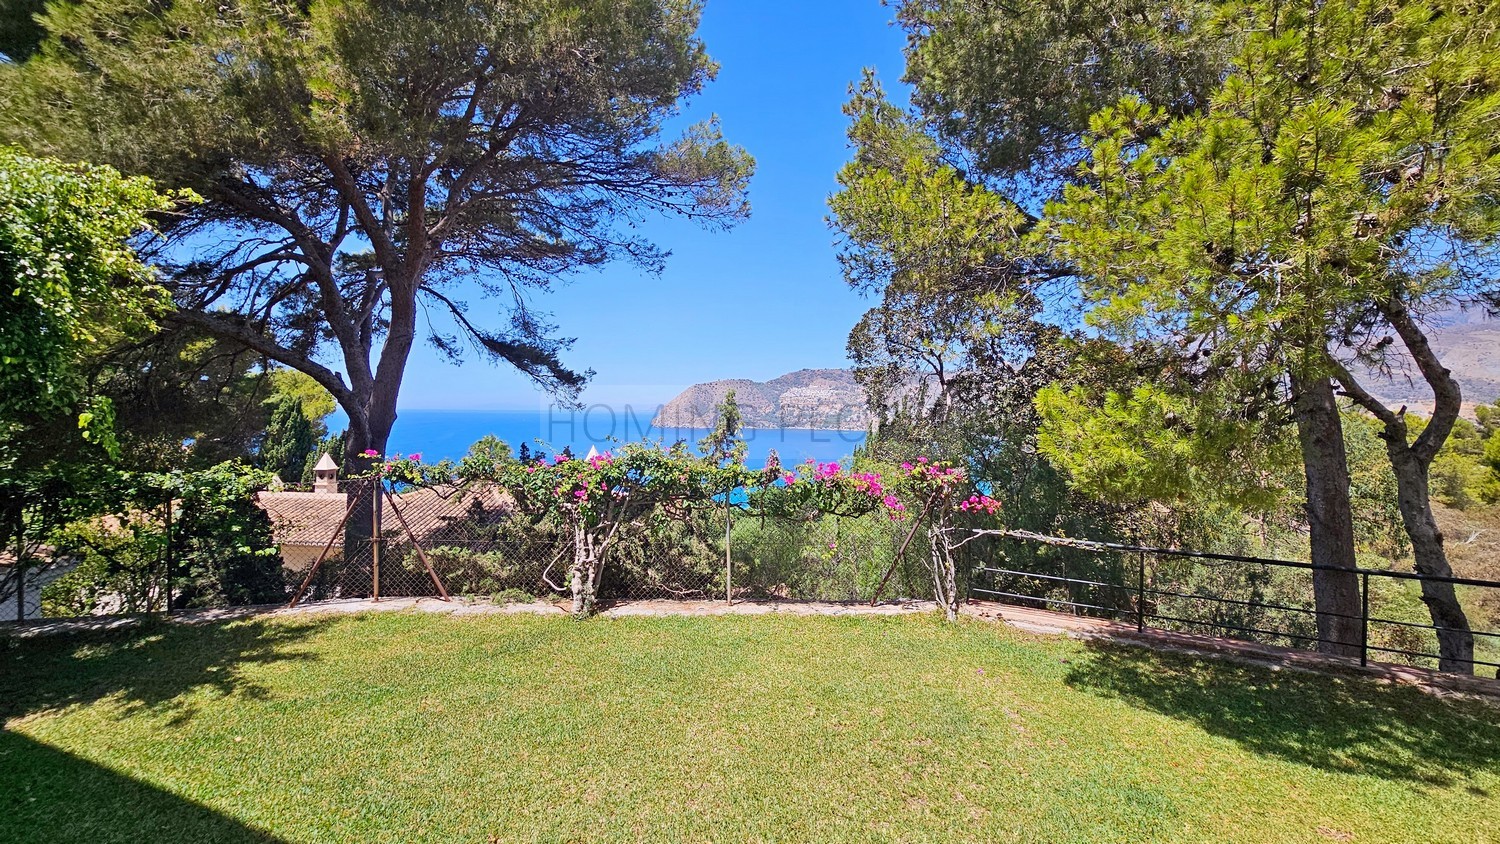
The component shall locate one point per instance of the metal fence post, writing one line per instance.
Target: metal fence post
(1140, 594)
(376, 490)
(167, 562)
(728, 559)
(1364, 618)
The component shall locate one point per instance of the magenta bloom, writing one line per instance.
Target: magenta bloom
(416, 458)
(369, 452)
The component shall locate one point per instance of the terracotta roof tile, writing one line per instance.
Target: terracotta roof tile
(435, 514)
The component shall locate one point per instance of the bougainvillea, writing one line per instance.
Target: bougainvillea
(940, 488)
(942, 484)
(816, 489)
(595, 495)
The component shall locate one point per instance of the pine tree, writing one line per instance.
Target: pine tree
(289, 440)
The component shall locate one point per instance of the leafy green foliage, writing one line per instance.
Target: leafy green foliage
(289, 440)
(1149, 443)
(488, 454)
(952, 356)
(724, 443)
(317, 404)
(120, 566)
(223, 550)
(72, 282)
(1015, 84)
(1291, 208)
(1300, 222)
(184, 399)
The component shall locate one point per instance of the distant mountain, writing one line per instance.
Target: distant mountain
(1468, 343)
(828, 399)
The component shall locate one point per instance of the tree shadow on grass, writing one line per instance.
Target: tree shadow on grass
(150, 666)
(1338, 724)
(52, 796)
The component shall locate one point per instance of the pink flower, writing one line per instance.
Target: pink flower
(369, 452)
(788, 478)
(906, 466)
(416, 457)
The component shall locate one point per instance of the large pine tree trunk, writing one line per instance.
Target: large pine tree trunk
(362, 529)
(1329, 516)
(1411, 461)
(1455, 639)
(370, 426)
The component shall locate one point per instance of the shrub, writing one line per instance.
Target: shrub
(222, 547)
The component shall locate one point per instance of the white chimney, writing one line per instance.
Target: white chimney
(326, 476)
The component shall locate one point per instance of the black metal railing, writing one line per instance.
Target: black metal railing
(1148, 602)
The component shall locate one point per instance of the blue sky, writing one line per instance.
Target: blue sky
(755, 302)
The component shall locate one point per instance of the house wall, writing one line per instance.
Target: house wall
(299, 557)
(31, 595)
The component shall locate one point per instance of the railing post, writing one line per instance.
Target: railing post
(1364, 618)
(1140, 594)
(728, 559)
(379, 487)
(167, 555)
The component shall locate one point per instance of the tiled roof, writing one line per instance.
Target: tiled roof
(303, 518)
(435, 514)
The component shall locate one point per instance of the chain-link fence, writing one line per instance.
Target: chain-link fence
(472, 540)
(355, 539)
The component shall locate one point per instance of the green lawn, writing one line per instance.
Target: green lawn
(415, 728)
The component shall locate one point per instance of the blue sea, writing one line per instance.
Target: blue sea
(439, 434)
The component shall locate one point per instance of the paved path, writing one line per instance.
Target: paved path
(1099, 629)
(475, 606)
(1023, 618)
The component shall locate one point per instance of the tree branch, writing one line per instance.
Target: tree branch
(1447, 396)
(226, 326)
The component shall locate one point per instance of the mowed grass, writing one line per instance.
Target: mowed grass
(416, 728)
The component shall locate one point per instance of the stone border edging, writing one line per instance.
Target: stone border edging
(1022, 618)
